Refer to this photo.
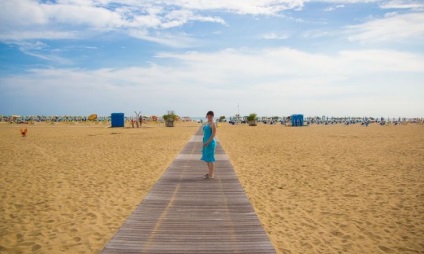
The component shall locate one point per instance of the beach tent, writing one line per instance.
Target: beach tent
(297, 120)
(117, 119)
(15, 118)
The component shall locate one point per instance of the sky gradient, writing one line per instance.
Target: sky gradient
(271, 57)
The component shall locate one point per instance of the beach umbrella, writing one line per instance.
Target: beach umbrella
(92, 117)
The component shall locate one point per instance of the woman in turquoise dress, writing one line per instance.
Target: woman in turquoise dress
(209, 145)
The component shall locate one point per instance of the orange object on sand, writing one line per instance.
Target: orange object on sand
(92, 117)
(24, 132)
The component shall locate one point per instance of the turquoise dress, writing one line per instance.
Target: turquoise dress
(208, 152)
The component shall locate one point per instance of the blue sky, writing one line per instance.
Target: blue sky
(272, 57)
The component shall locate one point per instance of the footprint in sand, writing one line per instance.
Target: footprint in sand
(19, 237)
(77, 239)
(385, 249)
(35, 247)
(337, 233)
(98, 236)
(343, 226)
(92, 216)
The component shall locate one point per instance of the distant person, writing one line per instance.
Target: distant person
(209, 145)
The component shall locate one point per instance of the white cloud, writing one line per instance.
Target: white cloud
(403, 4)
(28, 19)
(275, 36)
(392, 28)
(22, 35)
(21, 13)
(345, 1)
(314, 34)
(83, 15)
(335, 7)
(38, 49)
(173, 40)
(149, 20)
(267, 81)
(252, 7)
(31, 19)
(374, 61)
(177, 18)
(48, 57)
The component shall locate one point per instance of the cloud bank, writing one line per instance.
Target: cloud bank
(267, 81)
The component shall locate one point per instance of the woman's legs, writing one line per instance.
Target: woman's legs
(211, 167)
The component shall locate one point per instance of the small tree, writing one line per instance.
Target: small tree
(170, 118)
(252, 119)
(222, 118)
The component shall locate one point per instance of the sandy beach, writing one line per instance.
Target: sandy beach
(319, 189)
(333, 189)
(68, 188)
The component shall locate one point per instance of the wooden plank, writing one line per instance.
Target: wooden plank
(184, 213)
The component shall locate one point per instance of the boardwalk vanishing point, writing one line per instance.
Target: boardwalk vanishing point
(184, 213)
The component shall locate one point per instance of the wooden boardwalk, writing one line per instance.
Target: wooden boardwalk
(184, 213)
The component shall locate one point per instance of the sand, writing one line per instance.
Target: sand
(320, 189)
(333, 189)
(67, 188)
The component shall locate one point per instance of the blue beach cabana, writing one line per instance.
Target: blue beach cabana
(297, 120)
(117, 120)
